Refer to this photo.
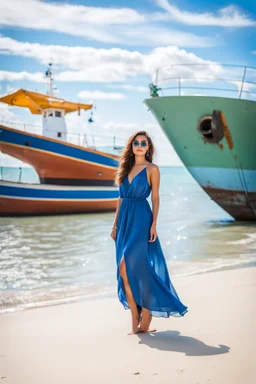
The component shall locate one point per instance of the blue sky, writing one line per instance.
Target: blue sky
(107, 51)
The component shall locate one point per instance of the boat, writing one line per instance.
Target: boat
(213, 132)
(73, 178)
(55, 160)
(29, 199)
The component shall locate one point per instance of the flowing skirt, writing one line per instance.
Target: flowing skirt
(146, 266)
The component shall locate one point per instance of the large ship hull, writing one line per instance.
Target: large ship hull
(225, 167)
(22, 199)
(58, 162)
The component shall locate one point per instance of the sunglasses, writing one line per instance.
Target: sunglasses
(143, 143)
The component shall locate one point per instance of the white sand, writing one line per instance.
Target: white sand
(87, 342)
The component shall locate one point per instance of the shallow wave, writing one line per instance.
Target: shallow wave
(14, 301)
(223, 267)
(20, 301)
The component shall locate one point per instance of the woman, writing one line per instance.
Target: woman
(144, 284)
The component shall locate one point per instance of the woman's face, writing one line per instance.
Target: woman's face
(140, 145)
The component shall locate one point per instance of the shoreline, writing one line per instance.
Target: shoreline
(112, 293)
(87, 342)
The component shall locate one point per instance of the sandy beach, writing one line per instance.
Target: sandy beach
(87, 342)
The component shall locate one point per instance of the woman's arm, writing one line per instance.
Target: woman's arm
(119, 201)
(155, 183)
(114, 227)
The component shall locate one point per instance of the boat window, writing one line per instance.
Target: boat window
(59, 134)
(50, 114)
(57, 113)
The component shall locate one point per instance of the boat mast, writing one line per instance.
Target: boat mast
(54, 124)
(48, 74)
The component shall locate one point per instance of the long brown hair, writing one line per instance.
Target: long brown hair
(127, 158)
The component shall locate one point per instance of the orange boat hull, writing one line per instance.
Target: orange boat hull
(54, 169)
(17, 207)
(58, 162)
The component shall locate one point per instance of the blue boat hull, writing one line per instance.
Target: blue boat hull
(22, 199)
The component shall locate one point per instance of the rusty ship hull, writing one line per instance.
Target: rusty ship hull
(215, 138)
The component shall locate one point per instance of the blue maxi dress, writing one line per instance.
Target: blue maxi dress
(146, 267)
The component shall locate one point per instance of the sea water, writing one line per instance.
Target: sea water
(57, 259)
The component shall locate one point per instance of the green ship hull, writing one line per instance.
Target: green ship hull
(215, 138)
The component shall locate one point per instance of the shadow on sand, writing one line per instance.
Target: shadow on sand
(173, 341)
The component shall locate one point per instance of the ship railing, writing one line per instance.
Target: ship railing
(209, 79)
(111, 144)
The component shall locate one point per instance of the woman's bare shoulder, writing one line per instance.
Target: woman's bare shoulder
(153, 167)
(153, 171)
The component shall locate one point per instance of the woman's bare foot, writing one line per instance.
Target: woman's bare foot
(132, 333)
(141, 323)
(147, 331)
(139, 330)
(145, 320)
(135, 325)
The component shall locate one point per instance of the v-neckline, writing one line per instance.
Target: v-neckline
(130, 183)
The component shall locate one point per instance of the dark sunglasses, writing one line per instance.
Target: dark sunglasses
(143, 143)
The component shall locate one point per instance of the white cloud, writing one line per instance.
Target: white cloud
(7, 115)
(115, 66)
(124, 127)
(18, 76)
(230, 16)
(247, 87)
(99, 95)
(117, 25)
(76, 57)
(152, 36)
(130, 87)
(127, 129)
(108, 25)
(77, 20)
(93, 64)
(111, 73)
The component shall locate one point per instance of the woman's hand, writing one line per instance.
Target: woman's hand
(113, 233)
(153, 233)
